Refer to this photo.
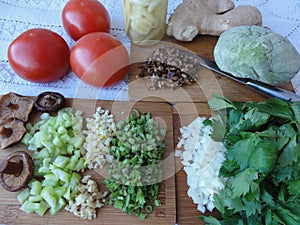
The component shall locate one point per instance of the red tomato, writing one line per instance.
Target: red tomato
(39, 55)
(99, 59)
(80, 17)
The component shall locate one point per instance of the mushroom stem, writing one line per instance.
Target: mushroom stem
(9, 167)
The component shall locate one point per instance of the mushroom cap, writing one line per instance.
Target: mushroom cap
(16, 106)
(11, 131)
(15, 182)
(49, 101)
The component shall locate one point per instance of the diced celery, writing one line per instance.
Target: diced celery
(43, 153)
(66, 138)
(51, 176)
(73, 161)
(77, 127)
(37, 126)
(61, 130)
(45, 116)
(50, 180)
(74, 192)
(25, 140)
(60, 173)
(78, 114)
(27, 207)
(48, 123)
(77, 153)
(41, 210)
(37, 139)
(29, 127)
(61, 161)
(60, 190)
(35, 198)
(31, 181)
(56, 141)
(67, 122)
(46, 162)
(59, 121)
(79, 141)
(53, 138)
(36, 188)
(59, 206)
(52, 130)
(80, 165)
(59, 151)
(23, 195)
(37, 164)
(49, 145)
(70, 149)
(67, 194)
(49, 195)
(75, 179)
(44, 169)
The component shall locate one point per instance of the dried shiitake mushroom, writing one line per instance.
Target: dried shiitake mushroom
(16, 171)
(14, 111)
(11, 131)
(49, 101)
(15, 106)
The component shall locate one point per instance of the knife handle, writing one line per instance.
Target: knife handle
(274, 91)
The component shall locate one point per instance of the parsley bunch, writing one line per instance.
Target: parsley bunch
(262, 163)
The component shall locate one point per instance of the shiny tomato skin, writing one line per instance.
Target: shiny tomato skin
(80, 17)
(39, 55)
(99, 59)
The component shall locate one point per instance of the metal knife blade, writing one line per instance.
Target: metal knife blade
(260, 87)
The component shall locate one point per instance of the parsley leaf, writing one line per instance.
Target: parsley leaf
(276, 107)
(219, 103)
(264, 156)
(241, 152)
(243, 182)
(289, 155)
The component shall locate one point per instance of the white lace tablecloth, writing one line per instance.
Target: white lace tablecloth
(16, 16)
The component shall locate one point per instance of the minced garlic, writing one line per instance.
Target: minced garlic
(100, 131)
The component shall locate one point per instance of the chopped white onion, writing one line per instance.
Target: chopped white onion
(202, 159)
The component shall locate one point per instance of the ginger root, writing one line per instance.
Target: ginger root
(209, 17)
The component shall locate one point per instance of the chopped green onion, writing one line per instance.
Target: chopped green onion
(136, 170)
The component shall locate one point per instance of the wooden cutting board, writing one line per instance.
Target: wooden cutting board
(208, 82)
(166, 214)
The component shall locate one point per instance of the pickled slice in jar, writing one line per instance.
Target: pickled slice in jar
(145, 19)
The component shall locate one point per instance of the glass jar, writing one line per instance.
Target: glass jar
(145, 20)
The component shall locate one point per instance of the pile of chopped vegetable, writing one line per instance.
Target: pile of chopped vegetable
(88, 200)
(201, 158)
(262, 165)
(99, 133)
(56, 142)
(135, 172)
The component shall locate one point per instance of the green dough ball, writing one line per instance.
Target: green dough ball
(257, 53)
